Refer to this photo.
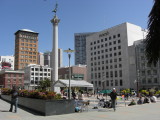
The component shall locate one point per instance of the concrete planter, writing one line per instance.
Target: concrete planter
(45, 107)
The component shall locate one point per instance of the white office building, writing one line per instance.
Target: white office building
(9, 59)
(34, 73)
(108, 59)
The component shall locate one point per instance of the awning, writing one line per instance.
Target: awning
(73, 83)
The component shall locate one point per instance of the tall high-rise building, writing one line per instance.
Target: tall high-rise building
(80, 47)
(40, 58)
(26, 48)
(47, 58)
(108, 59)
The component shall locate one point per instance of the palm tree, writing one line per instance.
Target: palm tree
(153, 37)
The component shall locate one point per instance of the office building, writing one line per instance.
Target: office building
(35, 73)
(26, 48)
(147, 75)
(40, 58)
(80, 48)
(108, 61)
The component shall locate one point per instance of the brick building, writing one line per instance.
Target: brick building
(10, 78)
(78, 72)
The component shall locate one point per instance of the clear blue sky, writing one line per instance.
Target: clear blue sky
(76, 16)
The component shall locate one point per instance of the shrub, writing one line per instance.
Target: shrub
(34, 94)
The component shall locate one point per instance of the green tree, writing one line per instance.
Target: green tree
(152, 40)
(45, 84)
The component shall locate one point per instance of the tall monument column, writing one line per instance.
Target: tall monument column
(54, 55)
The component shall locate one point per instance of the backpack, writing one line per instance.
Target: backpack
(15, 94)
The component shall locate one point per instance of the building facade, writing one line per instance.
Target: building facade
(47, 58)
(40, 58)
(8, 59)
(35, 73)
(147, 75)
(10, 78)
(108, 56)
(26, 48)
(80, 48)
(78, 72)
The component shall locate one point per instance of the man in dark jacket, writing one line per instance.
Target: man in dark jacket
(14, 99)
(113, 96)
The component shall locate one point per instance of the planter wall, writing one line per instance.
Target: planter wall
(45, 107)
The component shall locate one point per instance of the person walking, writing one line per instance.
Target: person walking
(14, 99)
(113, 96)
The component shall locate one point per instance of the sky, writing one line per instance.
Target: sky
(76, 16)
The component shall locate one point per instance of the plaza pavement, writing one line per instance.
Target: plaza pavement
(138, 112)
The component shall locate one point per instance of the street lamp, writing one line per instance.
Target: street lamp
(137, 83)
(69, 51)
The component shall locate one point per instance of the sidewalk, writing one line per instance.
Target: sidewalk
(143, 112)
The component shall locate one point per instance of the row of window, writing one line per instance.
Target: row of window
(30, 49)
(26, 52)
(108, 83)
(40, 69)
(30, 45)
(106, 67)
(149, 80)
(28, 37)
(14, 80)
(106, 61)
(103, 75)
(41, 74)
(26, 56)
(104, 45)
(105, 39)
(25, 60)
(105, 56)
(14, 75)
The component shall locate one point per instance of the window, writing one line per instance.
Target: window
(114, 42)
(149, 80)
(114, 36)
(119, 47)
(107, 83)
(110, 43)
(121, 83)
(116, 82)
(144, 81)
(105, 39)
(101, 40)
(105, 44)
(118, 35)
(120, 73)
(110, 49)
(119, 53)
(110, 38)
(114, 48)
(155, 80)
(119, 41)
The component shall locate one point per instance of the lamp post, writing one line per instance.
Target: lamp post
(137, 83)
(69, 51)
